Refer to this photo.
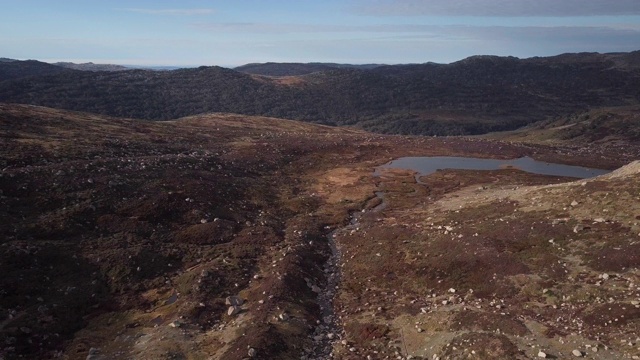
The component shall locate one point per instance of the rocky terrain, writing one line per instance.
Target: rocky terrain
(226, 236)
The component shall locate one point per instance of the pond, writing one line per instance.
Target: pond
(428, 165)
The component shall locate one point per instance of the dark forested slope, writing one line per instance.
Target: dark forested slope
(475, 95)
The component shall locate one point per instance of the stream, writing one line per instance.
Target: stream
(329, 330)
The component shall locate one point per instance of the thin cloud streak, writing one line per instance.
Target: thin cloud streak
(273, 28)
(497, 8)
(186, 12)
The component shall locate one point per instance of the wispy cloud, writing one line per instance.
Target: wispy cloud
(447, 41)
(274, 28)
(291, 28)
(498, 8)
(187, 12)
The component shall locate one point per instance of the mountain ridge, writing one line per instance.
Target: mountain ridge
(89, 66)
(476, 95)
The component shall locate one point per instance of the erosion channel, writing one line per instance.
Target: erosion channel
(330, 329)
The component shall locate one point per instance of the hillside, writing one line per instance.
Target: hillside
(603, 125)
(295, 69)
(472, 96)
(123, 238)
(16, 69)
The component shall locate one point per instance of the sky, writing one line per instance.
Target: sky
(235, 32)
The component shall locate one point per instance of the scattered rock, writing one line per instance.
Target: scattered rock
(574, 203)
(577, 353)
(283, 317)
(94, 354)
(175, 324)
(542, 354)
(578, 228)
(252, 352)
(233, 310)
(234, 301)
(605, 276)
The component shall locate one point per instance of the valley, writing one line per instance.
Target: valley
(213, 213)
(227, 236)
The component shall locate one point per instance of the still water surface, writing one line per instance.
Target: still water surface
(428, 165)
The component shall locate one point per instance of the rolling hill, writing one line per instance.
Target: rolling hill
(472, 96)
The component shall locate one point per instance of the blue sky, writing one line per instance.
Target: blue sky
(235, 32)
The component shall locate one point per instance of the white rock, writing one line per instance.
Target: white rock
(252, 352)
(452, 290)
(233, 310)
(605, 276)
(94, 354)
(577, 353)
(542, 354)
(574, 203)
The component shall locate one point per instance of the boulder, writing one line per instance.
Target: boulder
(233, 310)
(234, 301)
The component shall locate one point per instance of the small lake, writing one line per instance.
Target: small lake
(429, 164)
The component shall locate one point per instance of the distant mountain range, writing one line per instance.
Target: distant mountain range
(92, 67)
(475, 95)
